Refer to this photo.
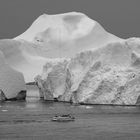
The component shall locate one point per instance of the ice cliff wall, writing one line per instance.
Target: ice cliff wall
(108, 75)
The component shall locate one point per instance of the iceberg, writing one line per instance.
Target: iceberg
(73, 58)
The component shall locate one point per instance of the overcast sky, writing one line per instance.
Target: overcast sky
(120, 17)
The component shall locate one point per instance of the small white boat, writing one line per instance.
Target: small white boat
(63, 118)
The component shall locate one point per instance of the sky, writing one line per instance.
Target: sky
(119, 17)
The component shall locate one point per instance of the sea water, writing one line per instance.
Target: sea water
(31, 119)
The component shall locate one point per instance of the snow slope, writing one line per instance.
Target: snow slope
(22, 57)
(11, 81)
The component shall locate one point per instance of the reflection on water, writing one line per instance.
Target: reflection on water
(34, 103)
(32, 91)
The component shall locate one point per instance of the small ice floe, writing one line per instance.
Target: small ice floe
(88, 107)
(4, 110)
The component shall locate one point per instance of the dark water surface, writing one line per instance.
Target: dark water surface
(30, 120)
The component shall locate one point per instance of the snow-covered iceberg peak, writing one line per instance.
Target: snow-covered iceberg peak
(59, 27)
(63, 35)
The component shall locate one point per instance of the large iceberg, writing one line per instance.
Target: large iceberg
(80, 60)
